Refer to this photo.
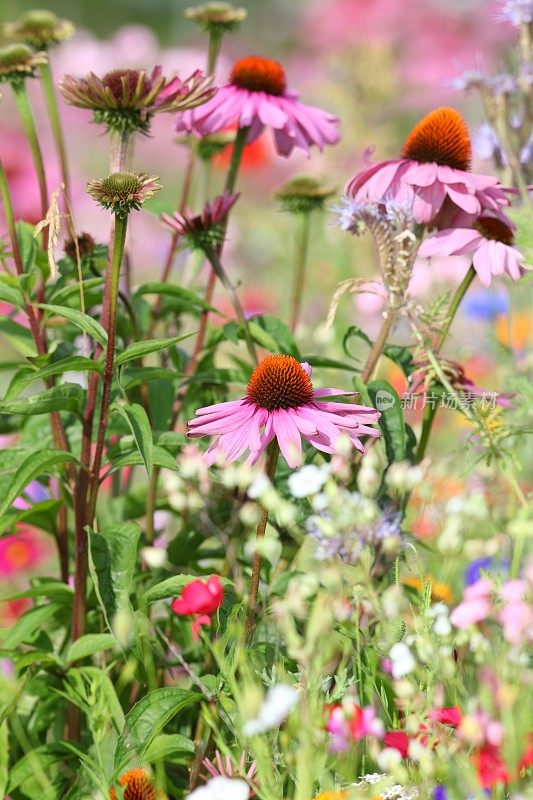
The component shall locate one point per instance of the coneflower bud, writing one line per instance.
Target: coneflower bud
(304, 194)
(39, 28)
(208, 146)
(18, 62)
(122, 192)
(217, 18)
(84, 246)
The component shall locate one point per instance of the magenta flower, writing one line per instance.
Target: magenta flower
(348, 722)
(517, 613)
(476, 605)
(432, 174)
(489, 242)
(199, 600)
(19, 553)
(257, 97)
(281, 403)
(206, 228)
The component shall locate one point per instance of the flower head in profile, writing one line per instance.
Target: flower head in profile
(204, 230)
(256, 97)
(216, 18)
(226, 767)
(136, 785)
(304, 194)
(39, 28)
(122, 192)
(18, 62)
(199, 600)
(126, 99)
(517, 12)
(489, 241)
(433, 170)
(281, 403)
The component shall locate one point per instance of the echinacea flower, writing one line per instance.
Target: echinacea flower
(489, 242)
(39, 28)
(199, 600)
(281, 404)
(126, 99)
(257, 97)
(122, 192)
(136, 785)
(18, 62)
(204, 230)
(225, 767)
(432, 174)
(19, 552)
(517, 12)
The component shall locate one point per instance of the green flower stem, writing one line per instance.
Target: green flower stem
(28, 123)
(39, 336)
(220, 273)
(87, 489)
(270, 471)
(118, 150)
(215, 41)
(50, 97)
(236, 158)
(430, 413)
(302, 250)
(377, 348)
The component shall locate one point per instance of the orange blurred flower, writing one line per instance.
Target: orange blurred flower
(440, 592)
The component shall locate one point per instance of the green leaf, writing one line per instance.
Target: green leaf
(30, 624)
(168, 746)
(114, 554)
(42, 515)
(141, 349)
(135, 376)
(401, 356)
(392, 424)
(26, 375)
(11, 295)
(89, 644)
(171, 587)
(321, 361)
(19, 337)
(138, 421)
(357, 332)
(147, 719)
(72, 291)
(67, 397)
(185, 297)
(79, 319)
(39, 463)
(49, 589)
(37, 760)
(274, 334)
(4, 758)
(161, 458)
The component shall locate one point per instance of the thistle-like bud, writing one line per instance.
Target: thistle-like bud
(217, 18)
(39, 28)
(304, 194)
(206, 230)
(122, 192)
(84, 245)
(18, 62)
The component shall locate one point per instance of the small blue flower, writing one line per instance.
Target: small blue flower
(474, 570)
(440, 792)
(485, 305)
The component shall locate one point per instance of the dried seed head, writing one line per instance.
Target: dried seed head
(304, 194)
(84, 246)
(122, 192)
(217, 18)
(18, 62)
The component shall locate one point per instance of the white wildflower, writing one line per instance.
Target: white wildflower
(276, 707)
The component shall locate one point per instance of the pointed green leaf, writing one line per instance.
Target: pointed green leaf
(90, 644)
(141, 349)
(392, 423)
(67, 397)
(79, 319)
(138, 421)
(40, 463)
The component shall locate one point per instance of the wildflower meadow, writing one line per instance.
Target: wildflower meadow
(266, 463)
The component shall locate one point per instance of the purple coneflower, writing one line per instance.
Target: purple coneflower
(205, 229)
(257, 97)
(281, 404)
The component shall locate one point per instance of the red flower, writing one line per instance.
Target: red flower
(451, 716)
(527, 759)
(199, 600)
(397, 740)
(490, 767)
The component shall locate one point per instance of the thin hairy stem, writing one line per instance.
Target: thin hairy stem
(47, 83)
(26, 115)
(302, 250)
(270, 470)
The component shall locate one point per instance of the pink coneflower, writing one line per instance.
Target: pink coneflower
(225, 767)
(257, 97)
(489, 242)
(281, 403)
(432, 173)
(206, 227)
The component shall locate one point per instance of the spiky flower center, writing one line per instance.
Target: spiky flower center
(38, 20)
(137, 785)
(121, 185)
(258, 74)
(280, 382)
(441, 137)
(492, 228)
(123, 83)
(15, 55)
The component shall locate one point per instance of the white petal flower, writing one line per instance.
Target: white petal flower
(276, 707)
(222, 788)
(307, 480)
(402, 660)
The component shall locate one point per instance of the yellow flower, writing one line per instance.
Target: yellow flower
(440, 592)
